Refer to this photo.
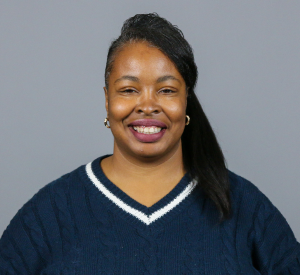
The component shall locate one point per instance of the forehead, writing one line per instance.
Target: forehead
(143, 61)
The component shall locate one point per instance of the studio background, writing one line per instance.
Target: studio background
(52, 59)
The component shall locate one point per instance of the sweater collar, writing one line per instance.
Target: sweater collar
(162, 210)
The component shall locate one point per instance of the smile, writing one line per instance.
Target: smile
(147, 130)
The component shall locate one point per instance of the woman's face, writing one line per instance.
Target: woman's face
(145, 102)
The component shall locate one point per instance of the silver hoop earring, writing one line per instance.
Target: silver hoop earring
(105, 123)
(188, 120)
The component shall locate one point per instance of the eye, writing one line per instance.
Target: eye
(128, 91)
(167, 91)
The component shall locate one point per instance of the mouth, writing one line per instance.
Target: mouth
(147, 130)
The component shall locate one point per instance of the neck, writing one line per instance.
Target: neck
(146, 181)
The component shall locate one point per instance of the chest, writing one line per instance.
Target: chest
(183, 246)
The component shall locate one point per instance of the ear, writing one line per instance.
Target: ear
(186, 95)
(106, 99)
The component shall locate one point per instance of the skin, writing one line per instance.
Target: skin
(144, 83)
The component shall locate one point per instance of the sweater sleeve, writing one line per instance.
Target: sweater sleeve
(22, 247)
(275, 249)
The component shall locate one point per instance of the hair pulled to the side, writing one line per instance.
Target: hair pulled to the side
(202, 155)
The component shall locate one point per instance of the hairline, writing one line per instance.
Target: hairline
(124, 45)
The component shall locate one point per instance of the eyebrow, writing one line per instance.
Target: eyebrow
(128, 77)
(167, 77)
(136, 79)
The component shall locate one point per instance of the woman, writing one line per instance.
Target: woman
(164, 202)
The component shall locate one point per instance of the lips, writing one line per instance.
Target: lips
(148, 123)
(147, 130)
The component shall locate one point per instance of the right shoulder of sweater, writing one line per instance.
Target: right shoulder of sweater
(66, 183)
(27, 242)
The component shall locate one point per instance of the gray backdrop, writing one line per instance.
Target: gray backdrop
(52, 58)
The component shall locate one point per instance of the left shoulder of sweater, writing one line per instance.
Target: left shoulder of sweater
(237, 183)
(247, 192)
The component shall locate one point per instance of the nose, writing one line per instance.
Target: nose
(148, 103)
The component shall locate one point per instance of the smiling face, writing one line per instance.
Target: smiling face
(145, 102)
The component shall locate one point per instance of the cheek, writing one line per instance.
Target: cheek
(119, 109)
(175, 111)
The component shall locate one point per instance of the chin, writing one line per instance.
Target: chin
(148, 154)
(151, 153)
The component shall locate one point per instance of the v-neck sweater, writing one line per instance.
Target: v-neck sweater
(83, 224)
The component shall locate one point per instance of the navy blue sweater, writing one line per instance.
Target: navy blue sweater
(84, 224)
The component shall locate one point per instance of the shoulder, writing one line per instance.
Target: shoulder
(251, 209)
(53, 193)
(238, 184)
(32, 234)
(247, 194)
(42, 203)
(70, 178)
(55, 197)
(265, 230)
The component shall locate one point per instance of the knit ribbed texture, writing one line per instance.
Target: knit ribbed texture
(72, 226)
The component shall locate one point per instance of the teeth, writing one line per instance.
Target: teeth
(147, 130)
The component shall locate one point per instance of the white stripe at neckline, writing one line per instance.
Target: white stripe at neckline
(147, 219)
